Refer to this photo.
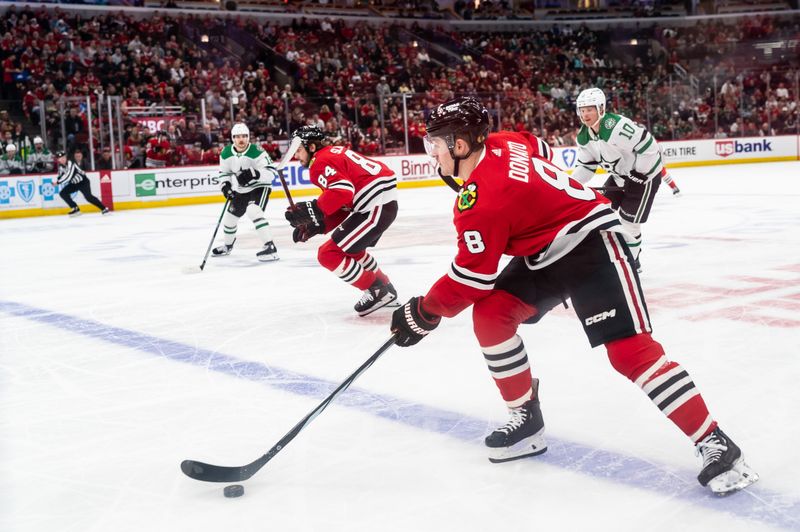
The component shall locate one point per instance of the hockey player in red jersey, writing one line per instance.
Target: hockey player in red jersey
(358, 203)
(565, 242)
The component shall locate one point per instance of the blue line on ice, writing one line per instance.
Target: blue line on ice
(754, 503)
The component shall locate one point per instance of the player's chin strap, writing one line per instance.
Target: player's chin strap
(448, 179)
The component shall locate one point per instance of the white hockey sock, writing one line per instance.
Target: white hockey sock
(230, 224)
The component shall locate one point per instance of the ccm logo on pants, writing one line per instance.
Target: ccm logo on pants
(600, 317)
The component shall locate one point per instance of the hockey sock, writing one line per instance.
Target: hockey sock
(369, 263)
(345, 266)
(495, 320)
(667, 383)
(256, 214)
(666, 178)
(509, 367)
(633, 237)
(230, 224)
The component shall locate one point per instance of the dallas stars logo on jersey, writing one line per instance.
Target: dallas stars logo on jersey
(467, 197)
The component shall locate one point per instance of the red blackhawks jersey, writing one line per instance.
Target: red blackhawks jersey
(515, 202)
(350, 181)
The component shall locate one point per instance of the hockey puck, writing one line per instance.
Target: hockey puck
(235, 490)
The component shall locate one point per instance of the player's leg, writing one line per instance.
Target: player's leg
(230, 223)
(86, 189)
(255, 211)
(345, 255)
(610, 303)
(634, 210)
(66, 195)
(668, 179)
(495, 322)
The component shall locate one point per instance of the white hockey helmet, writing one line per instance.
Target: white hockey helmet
(10, 147)
(38, 140)
(240, 129)
(593, 97)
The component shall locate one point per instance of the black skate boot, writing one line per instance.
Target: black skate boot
(724, 469)
(75, 211)
(522, 436)
(269, 253)
(105, 211)
(676, 191)
(376, 296)
(224, 249)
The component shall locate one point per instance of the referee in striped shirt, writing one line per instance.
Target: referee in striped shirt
(74, 179)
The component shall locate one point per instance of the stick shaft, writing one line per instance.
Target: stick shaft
(214, 236)
(215, 473)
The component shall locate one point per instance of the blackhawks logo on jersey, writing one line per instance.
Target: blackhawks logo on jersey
(467, 197)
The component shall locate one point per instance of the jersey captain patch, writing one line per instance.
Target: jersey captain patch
(467, 197)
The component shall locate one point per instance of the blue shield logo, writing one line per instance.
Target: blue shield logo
(568, 156)
(25, 190)
(6, 193)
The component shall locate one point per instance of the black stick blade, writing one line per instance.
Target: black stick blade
(214, 473)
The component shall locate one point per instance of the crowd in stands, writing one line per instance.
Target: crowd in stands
(342, 75)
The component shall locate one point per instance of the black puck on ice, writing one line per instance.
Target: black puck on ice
(235, 490)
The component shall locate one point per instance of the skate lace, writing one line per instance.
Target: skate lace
(518, 418)
(710, 449)
(366, 297)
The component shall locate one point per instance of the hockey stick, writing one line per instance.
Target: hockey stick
(193, 269)
(608, 189)
(282, 164)
(215, 473)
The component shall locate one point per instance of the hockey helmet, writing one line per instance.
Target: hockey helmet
(240, 129)
(309, 135)
(60, 153)
(463, 117)
(10, 147)
(593, 97)
(38, 140)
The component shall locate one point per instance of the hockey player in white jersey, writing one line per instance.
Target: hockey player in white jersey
(629, 153)
(246, 174)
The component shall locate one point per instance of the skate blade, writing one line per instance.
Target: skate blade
(734, 480)
(530, 446)
(268, 258)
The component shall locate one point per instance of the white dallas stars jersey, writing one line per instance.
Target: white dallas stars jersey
(622, 148)
(231, 162)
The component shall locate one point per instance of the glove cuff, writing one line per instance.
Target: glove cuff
(432, 319)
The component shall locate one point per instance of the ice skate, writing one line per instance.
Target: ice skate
(376, 296)
(676, 191)
(269, 253)
(724, 469)
(105, 211)
(522, 436)
(221, 251)
(75, 211)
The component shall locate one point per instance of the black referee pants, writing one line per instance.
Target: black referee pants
(84, 188)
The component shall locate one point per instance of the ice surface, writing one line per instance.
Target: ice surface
(115, 366)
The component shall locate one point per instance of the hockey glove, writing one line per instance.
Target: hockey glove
(227, 190)
(302, 233)
(246, 176)
(410, 323)
(306, 213)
